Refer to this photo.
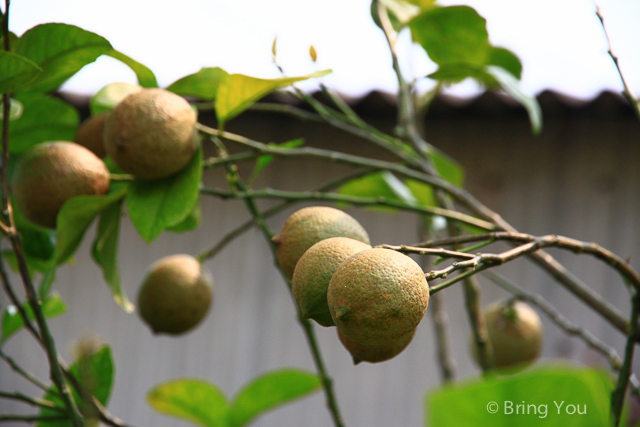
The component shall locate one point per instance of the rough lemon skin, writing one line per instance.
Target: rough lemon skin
(313, 273)
(515, 334)
(377, 296)
(308, 226)
(375, 353)
(51, 173)
(89, 134)
(151, 134)
(175, 295)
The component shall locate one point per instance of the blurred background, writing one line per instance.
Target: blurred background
(580, 178)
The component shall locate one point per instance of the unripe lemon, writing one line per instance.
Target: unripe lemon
(515, 334)
(51, 173)
(176, 295)
(89, 134)
(308, 226)
(313, 273)
(377, 296)
(375, 353)
(151, 134)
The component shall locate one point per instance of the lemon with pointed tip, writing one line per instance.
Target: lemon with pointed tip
(377, 296)
(308, 226)
(313, 273)
(175, 295)
(377, 352)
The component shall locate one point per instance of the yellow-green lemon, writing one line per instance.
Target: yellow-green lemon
(175, 295)
(377, 296)
(89, 134)
(313, 273)
(51, 173)
(515, 334)
(308, 226)
(151, 134)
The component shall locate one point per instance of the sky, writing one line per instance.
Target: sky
(560, 42)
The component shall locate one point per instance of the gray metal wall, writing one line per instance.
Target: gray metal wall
(580, 178)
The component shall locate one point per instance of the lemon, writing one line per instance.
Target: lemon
(89, 134)
(313, 273)
(377, 296)
(308, 226)
(377, 352)
(175, 295)
(51, 173)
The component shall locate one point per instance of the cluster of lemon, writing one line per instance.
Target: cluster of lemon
(150, 134)
(375, 297)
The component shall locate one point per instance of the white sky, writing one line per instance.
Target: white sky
(560, 42)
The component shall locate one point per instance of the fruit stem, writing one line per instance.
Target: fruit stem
(236, 182)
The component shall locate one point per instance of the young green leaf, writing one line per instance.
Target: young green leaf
(379, 185)
(506, 59)
(155, 205)
(457, 72)
(37, 242)
(237, 92)
(268, 391)
(202, 85)
(549, 396)
(12, 321)
(43, 119)
(447, 167)
(61, 50)
(110, 95)
(193, 400)
(16, 71)
(105, 252)
(76, 216)
(452, 34)
(510, 85)
(145, 76)
(94, 371)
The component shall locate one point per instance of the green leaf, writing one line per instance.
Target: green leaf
(203, 84)
(506, 59)
(94, 370)
(237, 92)
(110, 95)
(455, 34)
(457, 72)
(510, 85)
(61, 50)
(16, 71)
(12, 321)
(105, 252)
(379, 185)
(43, 119)
(190, 223)
(268, 391)
(422, 192)
(468, 404)
(36, 241)
(193, 400)
(34, 265)
(447, 167)
(263, 161)
(155, 205)
(15, 110)
(76, 216)
(145, 76)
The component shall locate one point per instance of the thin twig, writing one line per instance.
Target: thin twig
(633, 100)
(27, 375)
(35, 401)
(427, 251)
(238, 184)
(617, 396)
(362, 201)
(230, 236)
